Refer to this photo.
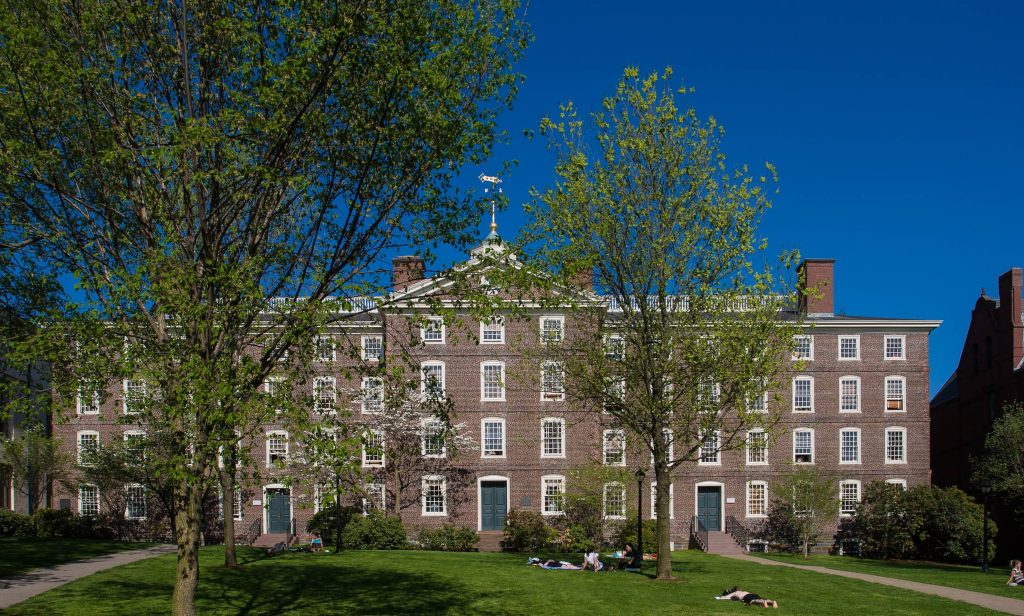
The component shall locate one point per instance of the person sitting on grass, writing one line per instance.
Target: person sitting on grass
(735, 594)
(316, 544)
(591, 560)
(1016, 575)
(630, 558)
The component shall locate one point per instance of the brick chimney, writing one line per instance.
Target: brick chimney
(816, 287)
(405, 271)
(1010, 307)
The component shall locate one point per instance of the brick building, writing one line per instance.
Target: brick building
(858, 407)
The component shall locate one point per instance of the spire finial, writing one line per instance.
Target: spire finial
(493, 181)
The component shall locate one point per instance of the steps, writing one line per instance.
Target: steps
(723, 543)
(490, 540)
(269, 540)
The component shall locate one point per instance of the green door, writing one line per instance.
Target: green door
(493, 505)
(709, 507)
(278, 512)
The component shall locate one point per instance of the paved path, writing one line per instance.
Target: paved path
(20, 587)
(992, 602)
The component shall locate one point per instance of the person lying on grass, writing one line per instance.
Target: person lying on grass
(735, 594)
(552, 564)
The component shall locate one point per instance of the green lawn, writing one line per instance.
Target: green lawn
(19, 554)
(955, 576)
(447, 583)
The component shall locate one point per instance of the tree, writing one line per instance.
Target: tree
(645, 208)
(1002, 464)
(950, 528)
(884, 522)
(185, 162)
(804, 501)
(35, 461)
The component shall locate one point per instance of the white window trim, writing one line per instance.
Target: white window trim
(621, 341)
(885, 348)
(501, 328)
(839, 347)
(442, 382)
(78, 444)
(546, 396)
(860, 495)
(810, 355)
(748, 486)
(95, 399)
(316, 348)
(383, 455)
(858, 432)
(362, 395)
(885, 445)
(813, 453)
(747, 446)
(124, 395)
(552, 317)
(423, 439)
(544, 421)
(483, 435)
(604, 500)
(491, 363)
(885, 392)
(362, 346)
(671, 501)
(99, 499)
(287, 453)
(444, 333)
(621, 435)
(240, 505)
(856, 379)
(332, 383)
(543, 494)
(718, 454)
(384, 497)
(802, 377)
(898, 482)
(127, 509)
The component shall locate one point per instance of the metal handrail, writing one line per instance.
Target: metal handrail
(699, 533)
(254, 533)
(738, 531)
(291, 533)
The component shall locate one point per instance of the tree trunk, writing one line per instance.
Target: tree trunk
(663, 508)
(186, 578)
(227, 488)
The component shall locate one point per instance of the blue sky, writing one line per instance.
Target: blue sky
(895, 127)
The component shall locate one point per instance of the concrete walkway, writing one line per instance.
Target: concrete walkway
(992, 602)
(37, 581)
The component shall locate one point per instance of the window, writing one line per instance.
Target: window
(134, 501)
(552, 494)
(551, 329)
(88, 447)
(803, 446)
(757, 447)
(803, 347)
(236, 508)
(277, 448)
(134, 396)
(432, 380)
(614, 501)
(493, 431)
(373, 449)
(758, 403)
(373, 348)
(898, 482)
(492, 381)
(670, 442)
(552, 381)
(615, 347)
(709, 391)
(849, 446)
(709, 446)
(895, 393)
(324, 394)
(433, 439)
(373, 394)
(89, 500)
(492, 331)
(849, 496)
(552, 438)
(849, 347)
(615, 395)
(374, 498)
(849, 394)
(895, 347)
(324, 349)
(88, 402)
(434, 490)
(614, 448)
(432, 331)
(757, 499)
(895, 445)
(654, 501)
(135, 443)
(803, 394)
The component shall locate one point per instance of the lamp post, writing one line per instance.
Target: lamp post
(640, 514)
(985, 489)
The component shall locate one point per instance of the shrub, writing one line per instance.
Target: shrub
(951, 525)
(884, 523)
(575, 538)
(627, 534)
(374, 532)
(583, 522)
(16, 525)
(55, 523)
(527, 531)
(781, 529)
(448, 538)
(325, 522)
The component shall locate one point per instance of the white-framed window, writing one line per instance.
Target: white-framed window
(615, 347)
(710, 444)
(898, 482)
(88, 402)
(614, 501)
(803, 394)
(435, 502)
(709, 391)
(237, 511)
(432, 380)
(272, 386)
(803, 347)
(375, 498)
(849, 497)
(88, 447)
(433, 330)
(895, 347)
(615, 394)
(277, 448)
(895, 445)
(432, 441)
(325, 394)
(614, 448)
(323, 346)
(135, 442)
(758, 403)
(492, 331)
(492, 381)
(323, 493)
(552, 494)
(373, 449)
(757, 499)
(134, 396)
(134, 501)
(552, 437)
(849, 394)
(895, 394)
(492, 430)
(670, 443)
(372, 394)
(849, 446)
(803, 446)
(373, 347)
(89, 500)
(552, 381)
(849, 347)
(671, 501)
(757, 447)
(552, 328)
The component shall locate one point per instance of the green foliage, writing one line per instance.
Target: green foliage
(13, 524)
(375, 531)
(885, 523)
(325, 521)
(811, 497)
(56, 523)
(35, 461)
(626, 533)
(781, 529)
(527, 531)
(1002, 465)
(950, 528)
(448, 538)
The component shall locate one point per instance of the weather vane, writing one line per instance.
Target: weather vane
(493, 180)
